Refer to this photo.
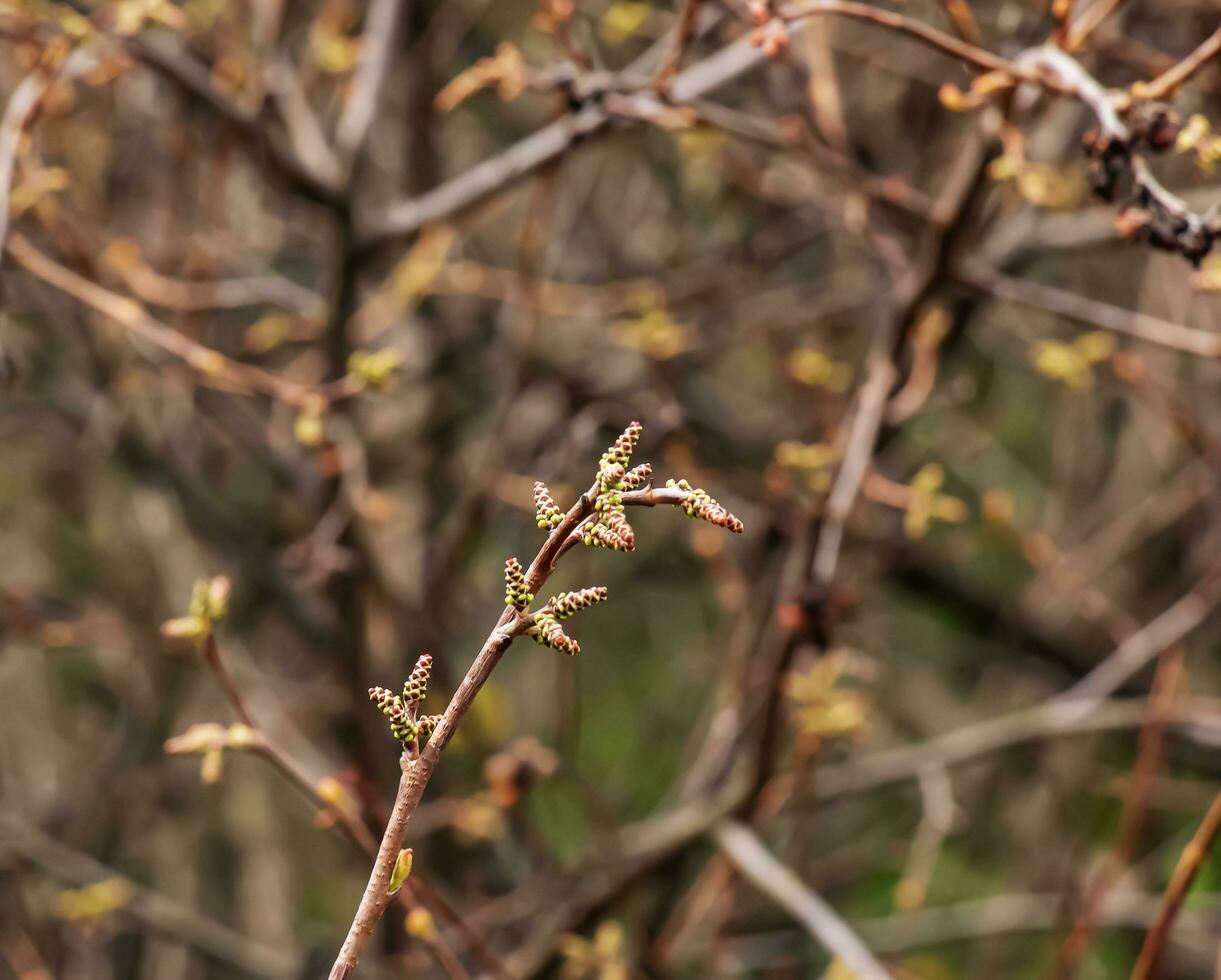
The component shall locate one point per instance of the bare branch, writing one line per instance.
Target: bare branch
(739, 843)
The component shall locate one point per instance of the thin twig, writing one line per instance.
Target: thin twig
(17, 113)
(1167, 83)
(163, 913)
(210, 365)
(181, 68)
(1092, 312)
(683, 32)
(383, 24)
(1134, 653)
(1052, 719)
(417, 771)
(1190, 862)
(739, 843)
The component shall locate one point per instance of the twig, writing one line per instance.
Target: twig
(383, 25)
(1052, 719)
(1095, 313)
(1088, 22)
(739, 843)
(996, 915)
(210, 364)
(1185, 872)
(304, 130)
(183, 70)
(417, 770)
(159, 911)
(499, 172)
(974, 57)
(862, 436)
(17, 113)
(684, 31)
(1139, 649)
(194, 296)
(1135, 809)
(348, 822)
(1167, 83)
(959, 12)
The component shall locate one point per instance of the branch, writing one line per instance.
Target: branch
(382, 27)
(18, 111)
(1167, 83)
(1094, 313)
(604, 499)
(1185, 873)
(163, 913)
(184, 71)
(739, 843)
(1142, 646)
(209, 364)
(1052, 719)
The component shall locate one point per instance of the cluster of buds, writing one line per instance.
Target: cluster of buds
(770, 33)
(548, 632)
(403, 709)
(698, 504)
(209, 604)
(546, 512)
(1150, 213)
(517, 594)
(567, 604)
(610, 527)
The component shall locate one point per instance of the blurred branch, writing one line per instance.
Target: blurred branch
(1197, 718)
(164, 914)
(210, 365)
(17, 113)
(304, 130)
(306, 175)
(739, 843)
(20, 109)
(999, 915)
(1139, 649)
(383, 26)
(1190, 862)
(1092, 312)
(1167, 83)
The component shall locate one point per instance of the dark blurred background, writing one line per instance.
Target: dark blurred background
(730, 269)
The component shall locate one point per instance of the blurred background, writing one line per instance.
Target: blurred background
(308, 294)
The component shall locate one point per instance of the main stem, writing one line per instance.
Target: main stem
(417, 772)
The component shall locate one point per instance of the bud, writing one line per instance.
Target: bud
(218, 598)
(419, 924)
(190, 627)
(377, 369)
(402, 868)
